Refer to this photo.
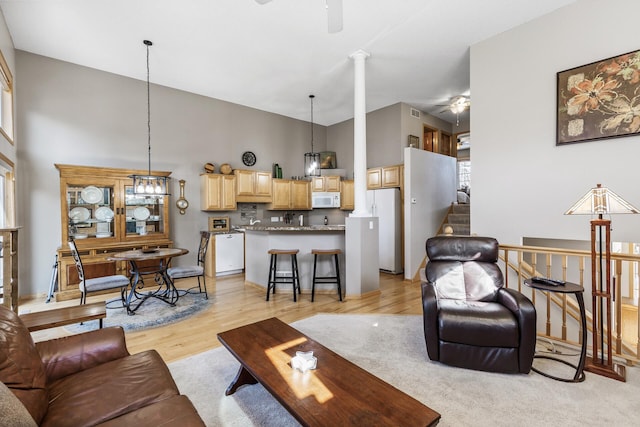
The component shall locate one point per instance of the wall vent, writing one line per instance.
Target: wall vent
(415, 113)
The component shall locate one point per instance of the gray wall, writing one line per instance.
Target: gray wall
(77, 115)
(520, 177)
(383, 139)
(388, 130)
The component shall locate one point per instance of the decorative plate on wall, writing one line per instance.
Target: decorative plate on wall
(248, 158)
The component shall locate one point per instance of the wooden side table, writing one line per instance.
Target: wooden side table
(577, 290)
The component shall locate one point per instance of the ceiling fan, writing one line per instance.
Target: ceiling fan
(334, 14)
(457, 105)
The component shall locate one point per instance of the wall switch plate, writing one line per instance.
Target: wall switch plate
(370, 225)
(275, 219)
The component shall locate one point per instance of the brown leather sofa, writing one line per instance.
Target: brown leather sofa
(85, 380)
(470, 319)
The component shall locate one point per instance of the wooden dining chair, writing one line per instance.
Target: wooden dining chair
(98, 283)
(197, 270)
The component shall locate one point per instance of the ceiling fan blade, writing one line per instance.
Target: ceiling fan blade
(262, 1)
(334, 15)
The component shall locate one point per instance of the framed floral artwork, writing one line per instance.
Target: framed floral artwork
(599, 100)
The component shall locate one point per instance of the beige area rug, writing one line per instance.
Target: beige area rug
(392, 347)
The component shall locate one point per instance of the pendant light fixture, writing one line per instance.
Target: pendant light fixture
(149, 185)
(312, 159)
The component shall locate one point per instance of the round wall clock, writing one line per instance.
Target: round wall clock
(248, 158)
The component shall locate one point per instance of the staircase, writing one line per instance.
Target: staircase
(459, 218)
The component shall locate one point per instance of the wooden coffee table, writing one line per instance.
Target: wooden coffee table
(336, 393)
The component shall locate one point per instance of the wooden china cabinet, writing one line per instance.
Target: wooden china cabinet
(99, 210)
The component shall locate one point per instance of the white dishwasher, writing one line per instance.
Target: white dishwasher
(229, 253)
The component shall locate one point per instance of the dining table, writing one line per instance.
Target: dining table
(137, 260)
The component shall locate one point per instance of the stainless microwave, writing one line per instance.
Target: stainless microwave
(325, 200)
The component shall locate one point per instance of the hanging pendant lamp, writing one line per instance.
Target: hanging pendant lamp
(312, 159)
(149, 185)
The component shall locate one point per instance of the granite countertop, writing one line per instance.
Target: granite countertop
(289, 227)
(232, 231)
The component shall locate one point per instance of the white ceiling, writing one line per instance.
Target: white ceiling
(272, 56)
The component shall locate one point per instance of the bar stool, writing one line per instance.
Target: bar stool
(274, 278)
(326, 279)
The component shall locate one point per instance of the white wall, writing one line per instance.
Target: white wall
(522, 181)
(430, 188)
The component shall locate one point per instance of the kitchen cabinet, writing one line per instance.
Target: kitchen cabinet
(253, 186)
(217, 192)
(290, 194)
(300, 195)
(225, 254)
(384, 177)
(100, 212)
(347, 201)
(325, 183)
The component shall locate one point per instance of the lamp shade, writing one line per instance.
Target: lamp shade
(311, 164)
(601, 201)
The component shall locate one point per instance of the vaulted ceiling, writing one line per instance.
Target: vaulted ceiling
(272, 56)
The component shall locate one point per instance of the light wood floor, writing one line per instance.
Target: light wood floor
(236, 304)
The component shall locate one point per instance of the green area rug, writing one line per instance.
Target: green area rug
(152, 313)
(392, 347)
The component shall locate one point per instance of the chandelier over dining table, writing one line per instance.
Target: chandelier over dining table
(149, 185)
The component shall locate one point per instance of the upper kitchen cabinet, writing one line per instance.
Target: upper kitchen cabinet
(325, 183)
(291, 194)
(98, 204)
(384, 177)
(346, 195)
(253, 186)
(217, 192)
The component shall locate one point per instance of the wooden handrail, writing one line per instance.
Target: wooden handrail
(540, 264)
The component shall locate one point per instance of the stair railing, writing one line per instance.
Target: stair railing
(558, 314)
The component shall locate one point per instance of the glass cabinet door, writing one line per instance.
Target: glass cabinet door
(90, 211)
(144, 216)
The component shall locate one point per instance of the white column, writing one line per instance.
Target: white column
(361, 233)
(359, 135)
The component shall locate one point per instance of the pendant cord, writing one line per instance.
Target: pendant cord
(311, 97)
(148, 43)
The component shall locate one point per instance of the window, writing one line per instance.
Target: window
(464, 174)
(7, 200)
(6, 100)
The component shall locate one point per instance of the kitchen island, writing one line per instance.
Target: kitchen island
(260, 238)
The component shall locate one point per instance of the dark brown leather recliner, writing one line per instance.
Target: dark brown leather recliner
(470, 319)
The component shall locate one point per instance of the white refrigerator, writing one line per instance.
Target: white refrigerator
(385, 204)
